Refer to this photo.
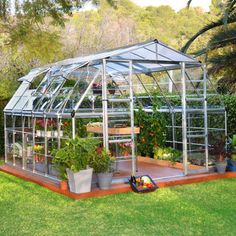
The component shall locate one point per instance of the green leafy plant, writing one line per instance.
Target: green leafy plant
(76, 155)
(102, 162)
(152, 131)
(218, 149)
(167, 153)
(112, 87)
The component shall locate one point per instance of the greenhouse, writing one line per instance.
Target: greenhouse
(105, 96)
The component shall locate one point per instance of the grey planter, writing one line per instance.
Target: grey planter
(104, 180)
(80, 182)
(221, 167)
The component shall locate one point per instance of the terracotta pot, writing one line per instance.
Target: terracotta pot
(64, 185)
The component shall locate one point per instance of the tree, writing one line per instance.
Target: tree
(220, 50)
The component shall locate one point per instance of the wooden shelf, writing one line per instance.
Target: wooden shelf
(126, 130)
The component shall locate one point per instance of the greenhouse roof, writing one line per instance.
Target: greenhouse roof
(147, 57)
(45, 90)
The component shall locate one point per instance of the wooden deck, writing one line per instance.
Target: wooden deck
(116, 188)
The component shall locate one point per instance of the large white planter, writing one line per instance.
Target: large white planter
(80, 182)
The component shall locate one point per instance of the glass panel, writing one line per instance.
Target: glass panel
(39, 150)
(18, 149)
(83, 78)
(43, 102)
(12, 103)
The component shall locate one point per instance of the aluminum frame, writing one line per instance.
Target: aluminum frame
(146, 58)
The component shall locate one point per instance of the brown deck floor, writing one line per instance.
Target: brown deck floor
(116, 188)
(124, 169)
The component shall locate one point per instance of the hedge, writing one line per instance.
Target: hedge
(230, 105)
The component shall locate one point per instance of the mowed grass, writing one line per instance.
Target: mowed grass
(198, 209)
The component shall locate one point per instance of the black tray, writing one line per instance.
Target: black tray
(133, 180)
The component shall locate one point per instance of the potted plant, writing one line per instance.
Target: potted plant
(97, 88)
(231, 161)
(74, 160)
(102, 166)
(112, 87)
(219, 151)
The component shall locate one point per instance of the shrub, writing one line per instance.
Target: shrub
(152, 131)
(2, 105)
(167, 153)
(101, 163)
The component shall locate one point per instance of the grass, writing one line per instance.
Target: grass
(197, 209)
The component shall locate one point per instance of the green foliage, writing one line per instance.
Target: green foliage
(234, 140)
(230, 105)
(2, 105)
(76, 154)
(36, 11)
(152, 131)
(101, 163)
(219, 50)
(167, 153)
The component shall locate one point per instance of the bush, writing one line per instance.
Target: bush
(167, 153)
(152, 131)
(230, 105)
(2, 105)
(101, 163)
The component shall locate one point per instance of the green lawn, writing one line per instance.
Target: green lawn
(199, 209)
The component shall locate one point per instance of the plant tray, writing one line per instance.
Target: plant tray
(142, 184)
(113, 131)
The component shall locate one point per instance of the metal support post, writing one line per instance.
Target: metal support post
(46, 147)
(184, 119)
(58, 132)
(132, 117)
(170, 81)
(14, 139)
(205, 114)
(6, 138)
(33, 144)
(24, 146)
(104, 106)
(73, 127)
(173, 129)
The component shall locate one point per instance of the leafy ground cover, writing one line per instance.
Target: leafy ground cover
(197, 209)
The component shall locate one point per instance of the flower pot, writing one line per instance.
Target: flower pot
(39, 133)
(54, 133)
(104, 180)
(112, 91)
(29, 151)
(64, 185)
(80, 182)
(221, 167)
(231, 165)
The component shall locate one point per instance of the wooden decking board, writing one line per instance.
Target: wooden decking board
(116, 188)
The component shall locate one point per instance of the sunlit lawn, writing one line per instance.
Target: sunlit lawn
(198, 209)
